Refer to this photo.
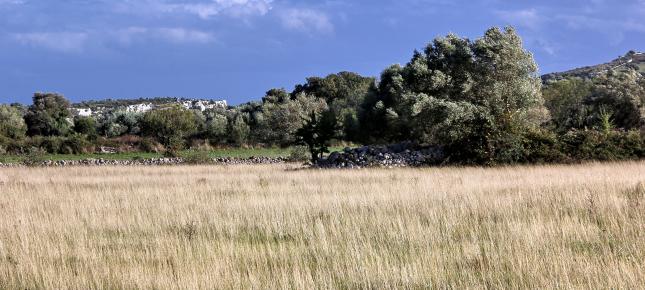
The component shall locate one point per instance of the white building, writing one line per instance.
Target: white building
(139, 108)
(203, 105)
(83, 112)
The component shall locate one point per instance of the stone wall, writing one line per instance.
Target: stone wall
(397, 155)
(149, 162)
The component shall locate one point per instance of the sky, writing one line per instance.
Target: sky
(238, 49)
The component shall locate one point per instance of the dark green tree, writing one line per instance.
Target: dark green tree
(85, 126)
(276, 96)
(317, 133)
(344, 93)
(49, 115)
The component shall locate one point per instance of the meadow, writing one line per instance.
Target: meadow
(279, 226)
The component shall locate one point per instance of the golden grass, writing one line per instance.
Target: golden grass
(270, 227)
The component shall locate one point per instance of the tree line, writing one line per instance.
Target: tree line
(481, 101)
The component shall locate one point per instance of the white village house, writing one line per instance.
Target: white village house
(203, 105)
(139, 108)
(190, 104)
(83, 112)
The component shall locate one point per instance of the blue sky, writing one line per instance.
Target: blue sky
(238, 49)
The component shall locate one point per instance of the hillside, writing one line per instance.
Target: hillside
(141, 105)
(631, 59)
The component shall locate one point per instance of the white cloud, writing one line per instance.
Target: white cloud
(181, 35)
(58, 41)
(202, 9)
(128, 35)
(12, 2)
(528, 18)
(306, 20)
(178, 35)
(76, 42)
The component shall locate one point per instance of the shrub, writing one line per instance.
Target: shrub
(35, 157)
(75, 144)
(170, 126)
(299, 154)
(603, 146)
(150, 145)
(12, 125)
(21, 146)
(85, 125)
(170, 153)
(51, 144)
(196, 157)
(541, 146)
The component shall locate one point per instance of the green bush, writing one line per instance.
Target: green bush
(150, 145)
(196, 157)
(75, 144)
(541, 146)
(170, 126)
(52, 144)
(604, 146)
(35, 157)
(299, 154)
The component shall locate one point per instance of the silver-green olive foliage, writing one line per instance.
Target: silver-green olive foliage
(283, 117)
(475, 98)
(12, 124)
(171, 126)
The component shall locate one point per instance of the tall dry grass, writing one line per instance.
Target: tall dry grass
(269, 227)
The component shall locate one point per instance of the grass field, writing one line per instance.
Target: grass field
(218, 153)
(271, 226)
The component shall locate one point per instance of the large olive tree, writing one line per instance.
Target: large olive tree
(49, 115)
(474, 98)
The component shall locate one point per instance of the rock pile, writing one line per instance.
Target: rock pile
(397, 155)
(149, 162)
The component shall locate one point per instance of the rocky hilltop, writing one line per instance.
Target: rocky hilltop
(632, 59)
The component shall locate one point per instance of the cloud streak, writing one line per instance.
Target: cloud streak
(306, 20)
(77, 42)
(67, 42)
(202, 9)
(11, 2)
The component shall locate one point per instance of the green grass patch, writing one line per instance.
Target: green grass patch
(218, 153)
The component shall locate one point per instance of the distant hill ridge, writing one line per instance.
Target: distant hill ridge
(632, 59)
(142, 105)
(128, 102)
